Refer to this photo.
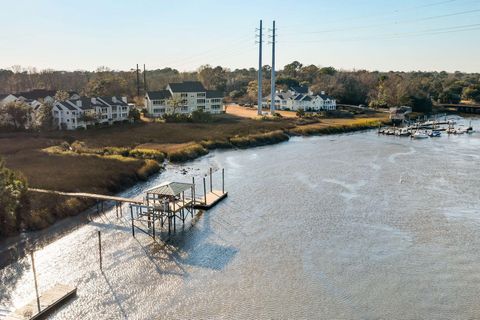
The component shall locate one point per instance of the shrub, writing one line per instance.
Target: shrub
(13, 200)
(300, 113)
(199, 116)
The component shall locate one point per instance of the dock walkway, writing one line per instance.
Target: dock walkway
(49, 301)
(101, 197)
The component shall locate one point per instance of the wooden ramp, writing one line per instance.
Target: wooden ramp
(210, 200)
(50, 300)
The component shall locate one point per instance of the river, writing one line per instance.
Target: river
(351, 226)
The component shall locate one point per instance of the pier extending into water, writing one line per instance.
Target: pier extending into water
(162, 205)
(168, 202)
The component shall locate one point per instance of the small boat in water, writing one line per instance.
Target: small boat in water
(403, 132)
(434, 133)
(419, 135)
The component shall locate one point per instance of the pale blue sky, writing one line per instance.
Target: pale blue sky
(347, 34)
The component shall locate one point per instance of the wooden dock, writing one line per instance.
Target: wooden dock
(210, 200)
(50, 300)
(100, 197)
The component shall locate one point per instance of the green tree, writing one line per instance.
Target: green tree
(17, 113)
(134, 114)
(175, 103)
(44, 117)
(13, 200)
(292, 69)
(213, 78)
(106, 85)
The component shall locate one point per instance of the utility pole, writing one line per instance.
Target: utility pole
(272, 95)
(260, 65)
(144, 79)
(138, 82)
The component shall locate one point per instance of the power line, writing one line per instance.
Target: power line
(394, 12)
(453, 29)
(387, 24)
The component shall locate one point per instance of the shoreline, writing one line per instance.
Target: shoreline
(15, 247)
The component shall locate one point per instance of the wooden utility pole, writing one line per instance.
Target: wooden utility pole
(138, 82)
(144, 79)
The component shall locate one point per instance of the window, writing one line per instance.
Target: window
(184, 101)
(159, 110)
(201, 94)
(201, 108)
(184, 95)
(200, 101)
(216, 107)
(185, 108)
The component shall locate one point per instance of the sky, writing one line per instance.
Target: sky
(383, 35)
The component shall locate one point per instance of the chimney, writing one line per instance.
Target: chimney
(94, 100)
(322, 92)
(79, 103)
(124, 99)
(114, 99)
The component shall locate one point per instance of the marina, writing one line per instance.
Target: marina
(427, 128)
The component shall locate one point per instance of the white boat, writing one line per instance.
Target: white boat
(419, 135)
(402, 132)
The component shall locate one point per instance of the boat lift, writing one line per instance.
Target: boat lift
(169, 201)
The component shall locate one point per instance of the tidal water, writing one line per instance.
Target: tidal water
(352, 226)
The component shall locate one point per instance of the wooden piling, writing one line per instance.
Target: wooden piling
(131, 215)
(100, 248)
(35, 280)
(204, 190)
(211, 180)
(223, 180)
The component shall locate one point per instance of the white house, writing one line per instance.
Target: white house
(80, 113)
(297, 98)
(191, 95)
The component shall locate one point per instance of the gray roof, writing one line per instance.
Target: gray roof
(170, 188)
(187, 86)
(301, 89)
(325, 97)
(214, 94)
(157, 95)
(109, 100)
(67, 105)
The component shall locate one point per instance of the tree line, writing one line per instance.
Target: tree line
(373, 88)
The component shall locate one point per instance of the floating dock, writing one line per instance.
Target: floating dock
(50, 301)
(210, 200)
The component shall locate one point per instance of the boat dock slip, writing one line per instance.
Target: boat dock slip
(50, 300)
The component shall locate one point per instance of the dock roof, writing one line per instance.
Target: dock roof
(170, 188)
